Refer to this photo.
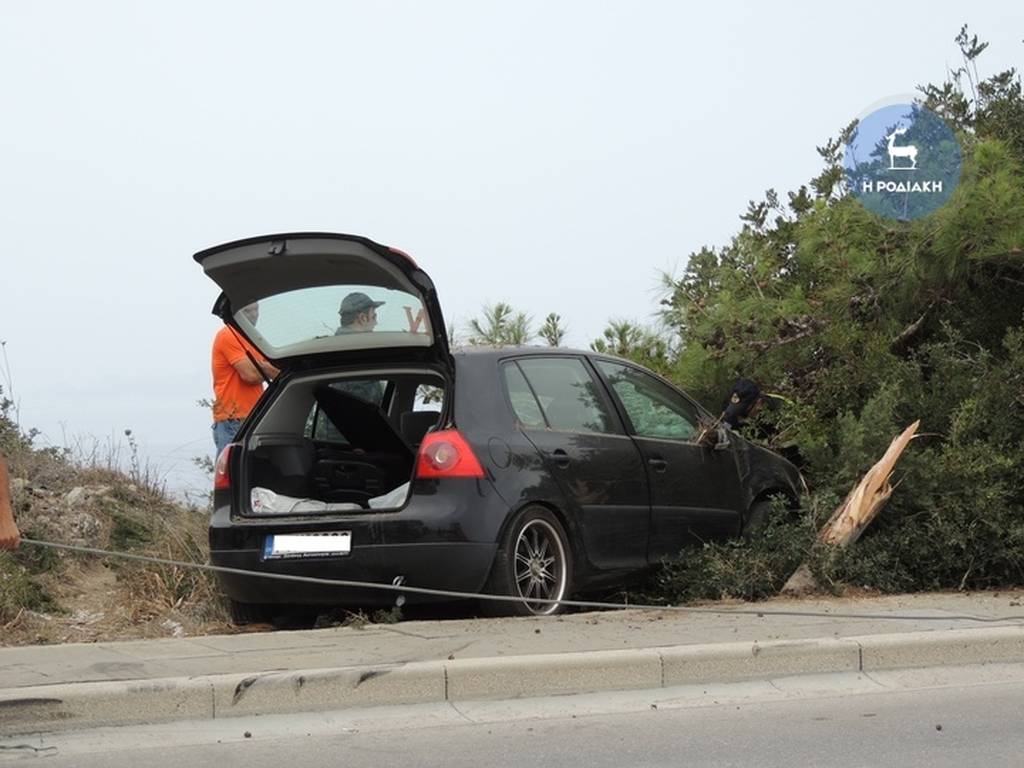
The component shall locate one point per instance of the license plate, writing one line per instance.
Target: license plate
(300, 545)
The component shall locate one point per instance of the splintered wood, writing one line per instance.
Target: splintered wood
(860, 507)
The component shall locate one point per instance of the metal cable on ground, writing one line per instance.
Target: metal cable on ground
(509, 598)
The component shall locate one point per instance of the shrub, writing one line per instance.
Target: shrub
(864, 326)
(748, 569)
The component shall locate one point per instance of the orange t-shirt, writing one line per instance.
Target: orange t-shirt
(233, 398)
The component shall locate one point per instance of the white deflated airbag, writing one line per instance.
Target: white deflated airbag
(267, 502)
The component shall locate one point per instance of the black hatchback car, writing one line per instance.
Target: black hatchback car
(380, 455)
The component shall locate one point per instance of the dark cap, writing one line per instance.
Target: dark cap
(356, 303)
(744, 390)
(742, 398)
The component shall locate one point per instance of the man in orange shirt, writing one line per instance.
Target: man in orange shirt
(238, 375)
(9, 536)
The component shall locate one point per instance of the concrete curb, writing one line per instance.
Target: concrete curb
(84, 705)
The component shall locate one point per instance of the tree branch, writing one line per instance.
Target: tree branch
(909, 334)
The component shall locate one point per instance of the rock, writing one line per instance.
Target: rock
(83, 529)
(173, 627)
(75, 495)
(60, 524)
(802, 582)
(81, 494)
(82, 616)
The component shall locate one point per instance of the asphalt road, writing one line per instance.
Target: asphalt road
(970, 717)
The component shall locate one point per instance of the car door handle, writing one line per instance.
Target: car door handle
(658, 465)
(560, 458)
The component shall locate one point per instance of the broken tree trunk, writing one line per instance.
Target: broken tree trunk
(860, 507)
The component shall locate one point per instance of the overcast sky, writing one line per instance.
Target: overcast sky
(557, 155)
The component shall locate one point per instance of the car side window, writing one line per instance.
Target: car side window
(655, 409)
(568, 394)
(428, 397)
(524, 404)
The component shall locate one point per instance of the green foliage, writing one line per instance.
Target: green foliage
(129, 532)
(553, 331)
(643, 345)
(988, 108)
(392, 615)
(503, 326)
(338, 617)
(37, 560)
(500, 326)
(12, 439)
(137, 514)
(865, 325)
(18, 590)
(185, 584)
(745, 569)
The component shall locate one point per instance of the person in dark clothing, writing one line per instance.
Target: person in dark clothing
(358, 314)
(744, 401)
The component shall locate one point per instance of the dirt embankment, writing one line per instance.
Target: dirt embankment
(51, 596)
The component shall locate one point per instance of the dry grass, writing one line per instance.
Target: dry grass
(154, 590)
(98, 494)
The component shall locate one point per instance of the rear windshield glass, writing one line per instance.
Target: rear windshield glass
(336, 317)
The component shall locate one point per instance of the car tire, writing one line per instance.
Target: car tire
(533, 560)
(756, 518)
(248, 613)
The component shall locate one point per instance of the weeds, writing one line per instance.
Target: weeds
(19, 591)
(167, 531)
(124, 508)
(339, 617)
(747, 569)
(392, 615)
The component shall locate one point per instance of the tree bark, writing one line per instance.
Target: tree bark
(909, 335)
(860, 507)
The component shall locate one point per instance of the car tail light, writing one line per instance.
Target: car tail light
(447, 454)
(221, 472)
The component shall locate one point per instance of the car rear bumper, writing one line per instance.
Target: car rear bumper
(439, 540)
(456, 566)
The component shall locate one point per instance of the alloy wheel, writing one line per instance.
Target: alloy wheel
(540, 571)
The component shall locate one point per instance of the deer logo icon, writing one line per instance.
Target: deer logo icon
(908, 151)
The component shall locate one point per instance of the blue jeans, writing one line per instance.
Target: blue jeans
(224, 432)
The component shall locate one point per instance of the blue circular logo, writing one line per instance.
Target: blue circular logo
(902, 161)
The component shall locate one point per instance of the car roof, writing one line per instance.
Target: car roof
(481, 353)
(523, 351)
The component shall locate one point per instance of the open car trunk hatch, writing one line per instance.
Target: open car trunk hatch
(296, 297)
